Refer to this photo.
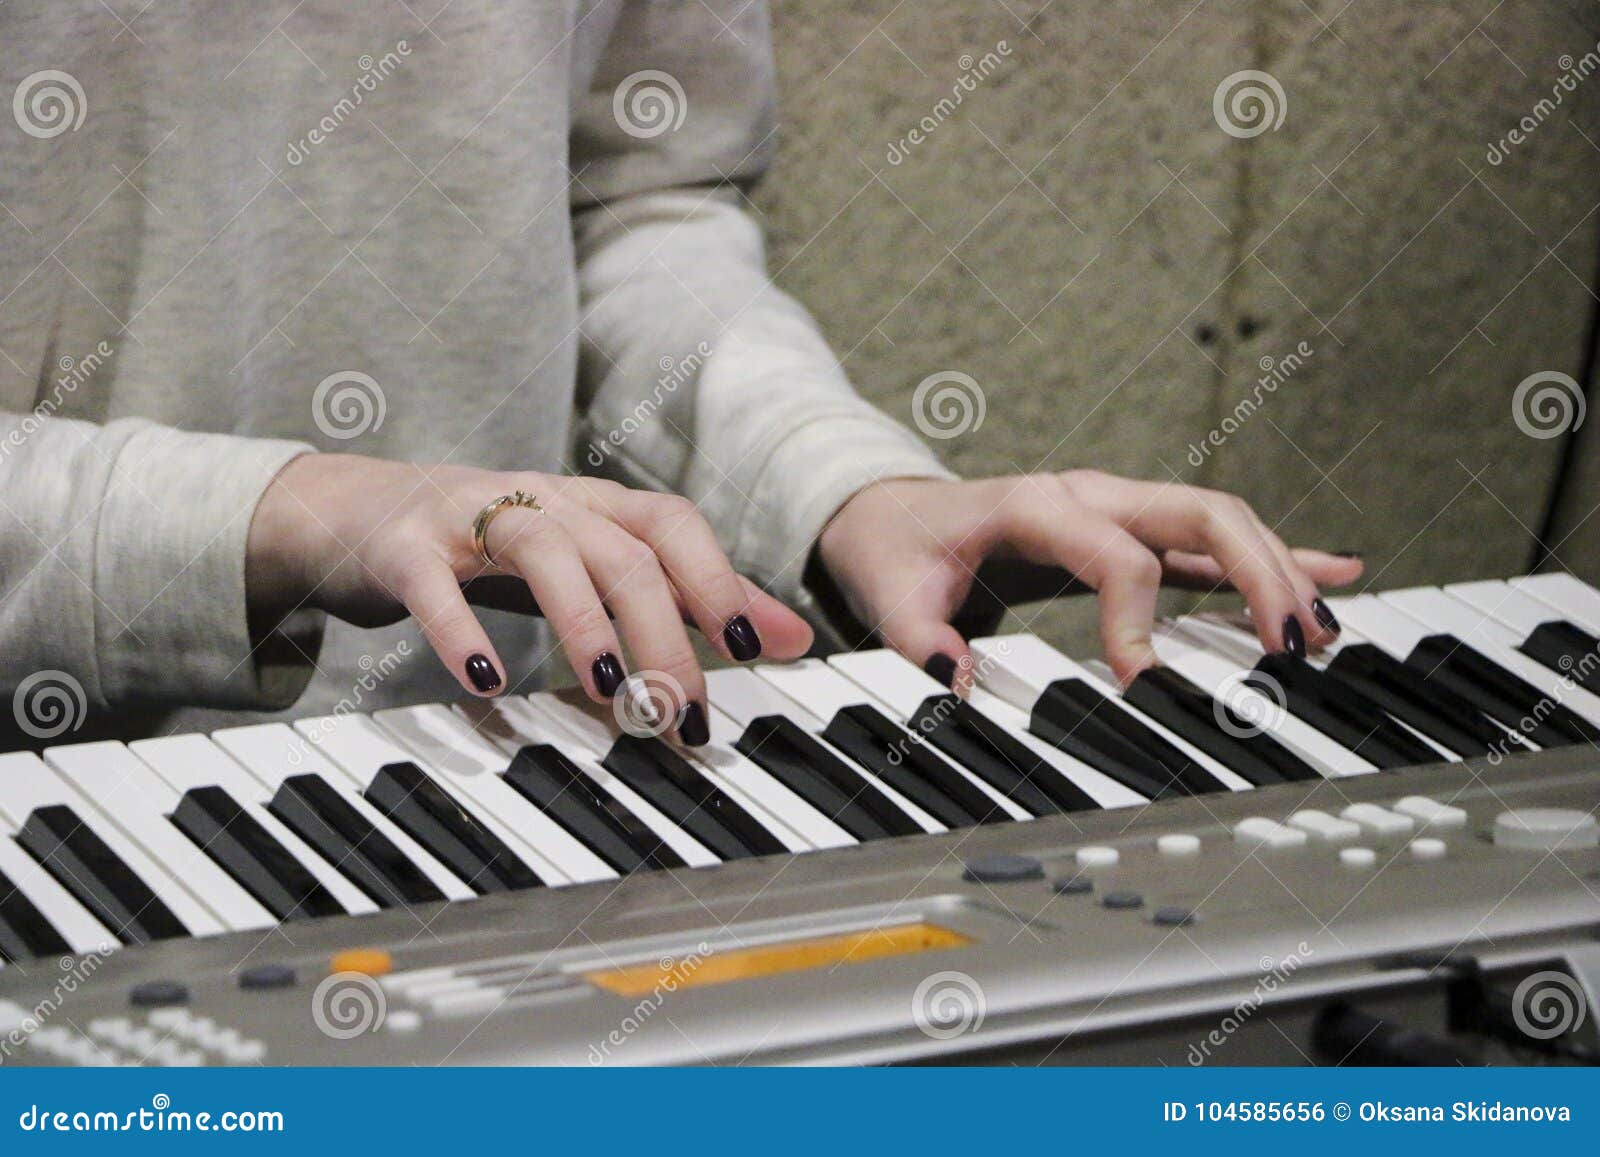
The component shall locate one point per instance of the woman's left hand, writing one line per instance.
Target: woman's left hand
(905, 554)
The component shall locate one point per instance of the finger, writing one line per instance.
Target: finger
(1324, 626)
(540, 551)
(432, 594)
(635, 587)
(922, 635)
(1052, 526)
(1202, 572)
(687, 549)
(1165, 516)
(784, 634)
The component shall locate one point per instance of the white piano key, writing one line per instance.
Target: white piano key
(470, 765)
(1220, 678)
(26, 783)
(272, 752)
(512, 722)
(186, 762)
(363, 748)
(743, 696)
(139, 802)
(1445, 615)
(795, 823)
(1226, 637)
(1027, 665)
(904, 687)
(1383, 626)
(82, 931)
(1096, 784)
(721, 757)
(1519, 613)
(825, 692)
(1571, 598)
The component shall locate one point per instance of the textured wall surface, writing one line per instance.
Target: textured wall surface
(1084, 236)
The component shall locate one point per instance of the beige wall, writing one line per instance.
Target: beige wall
(1083, 239)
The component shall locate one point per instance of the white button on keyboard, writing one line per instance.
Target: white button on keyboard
(1258, 831)
(1358, 857)
(1178, 844)
(1430, 812)
(1324, 826)
(1379, 819)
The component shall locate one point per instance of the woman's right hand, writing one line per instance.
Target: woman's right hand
(369, 540)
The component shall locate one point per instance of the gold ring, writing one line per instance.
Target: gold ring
(480, 524)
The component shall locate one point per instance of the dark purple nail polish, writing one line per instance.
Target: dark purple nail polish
(1294, 639)
(482, 673)
(692, 726)
(1325, 615)
(1348, 554)
(941, 667)
(608, 674)
(743, 642)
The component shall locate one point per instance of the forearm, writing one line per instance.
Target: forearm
(125, 561)
(702, 377)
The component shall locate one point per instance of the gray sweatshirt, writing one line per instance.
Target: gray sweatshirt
(514, 238)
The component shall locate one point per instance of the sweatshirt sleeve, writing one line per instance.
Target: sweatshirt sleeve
(124, 564)
(697, 375)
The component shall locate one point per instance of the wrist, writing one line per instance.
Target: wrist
(278, 568)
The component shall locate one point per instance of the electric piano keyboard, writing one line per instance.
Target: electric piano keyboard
(859, 867)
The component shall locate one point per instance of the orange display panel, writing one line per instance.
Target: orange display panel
(727, 965)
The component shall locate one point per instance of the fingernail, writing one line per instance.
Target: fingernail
(743, 642)
(607, 673)
(941, 667)
(1325, 615)
(692, 726)
(1348, 553)
(1294, 639)
(482, 673)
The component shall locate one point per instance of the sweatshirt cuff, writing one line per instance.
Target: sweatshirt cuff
(171, 617)
(809, 476)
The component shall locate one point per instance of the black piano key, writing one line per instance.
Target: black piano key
(898, 758)
(1081, 721)
(1186, 710)
(431, 816)
(232, 837)
(792, 756)
(674, 787)
(1427, 705)
(1499, 693)
(1338, 712)
(1568, 650)
(96, 876)
(994, 755)
(24, 931)
(336, 830)
(550, 781)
